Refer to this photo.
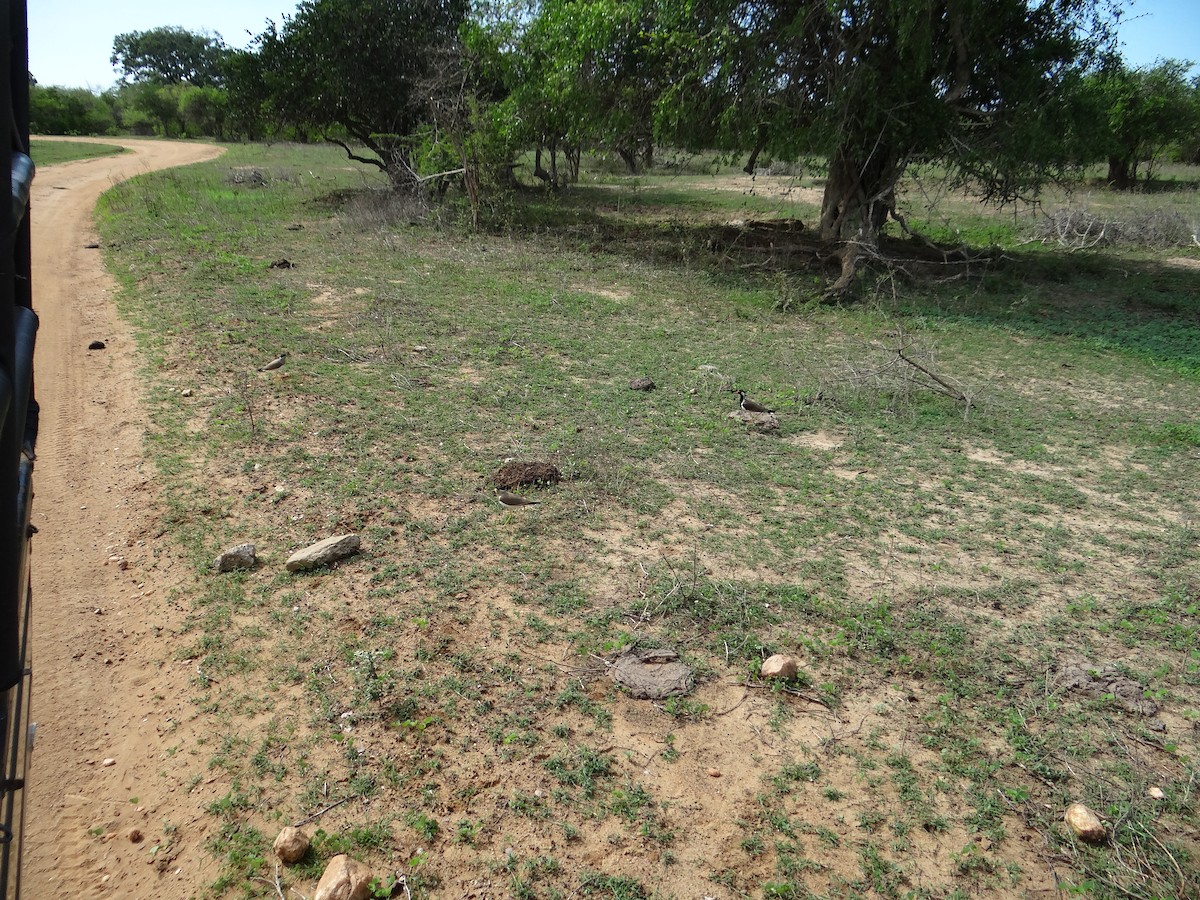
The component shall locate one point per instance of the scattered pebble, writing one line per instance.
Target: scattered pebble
(1155, 793)
(135, 836)
(108, 760)
(713, 773)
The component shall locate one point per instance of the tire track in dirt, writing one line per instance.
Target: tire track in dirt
(94, 661)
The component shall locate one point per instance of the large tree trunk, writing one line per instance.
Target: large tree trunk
(572, 153)
(551, 177)
(1122, 171)
(858, 199)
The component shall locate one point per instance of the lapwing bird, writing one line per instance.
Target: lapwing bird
(751, 406)
(276, 363)
(509, 499)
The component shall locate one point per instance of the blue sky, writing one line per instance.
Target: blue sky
(70, 41)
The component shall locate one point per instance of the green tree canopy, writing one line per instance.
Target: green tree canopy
(354, 71)
(169, 55)
(56, 110)
(872, 86)
(588, 77)
(1141, 111)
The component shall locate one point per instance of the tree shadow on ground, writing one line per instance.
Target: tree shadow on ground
(1117, 299)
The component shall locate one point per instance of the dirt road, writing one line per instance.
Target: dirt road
(108, 815)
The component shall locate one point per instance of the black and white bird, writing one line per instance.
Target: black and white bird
(750, 405)
(276, 363)
(509, 499)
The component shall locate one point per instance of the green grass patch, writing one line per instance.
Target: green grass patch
(49, 153)
(935, 563)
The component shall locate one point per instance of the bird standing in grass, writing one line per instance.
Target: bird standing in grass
(749, 405)
(509, 499)
(276, 363)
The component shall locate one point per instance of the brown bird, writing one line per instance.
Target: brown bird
(751, 406)
(509, 499)
(276, 363)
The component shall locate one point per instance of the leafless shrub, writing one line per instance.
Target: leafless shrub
(779, 167)
(251, 176)
(1081, 229)
(897, 366)
(384, 210)
(258, 177)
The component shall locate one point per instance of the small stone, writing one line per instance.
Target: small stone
(344, 879)
(768, 423)
(642, 384)
(713, 773)
(108, 761)
(186, 392)
(324, 552)
(1155, 793)
(1085, 823)
(96, 345)
(243, 556)
(779, 666)
(291, 845)
(135, 836)
(651, 674)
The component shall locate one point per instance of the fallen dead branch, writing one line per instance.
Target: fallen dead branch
(1081, 229)
(322, 812)
(946, 388)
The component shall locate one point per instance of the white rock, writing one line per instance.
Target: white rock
(344, 879)
(324, 552)
(1155, 793)
(108, 761)
(1085, 823)
(779, 666)
(291, 845)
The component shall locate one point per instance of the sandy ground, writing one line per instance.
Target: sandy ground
(104, 790)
